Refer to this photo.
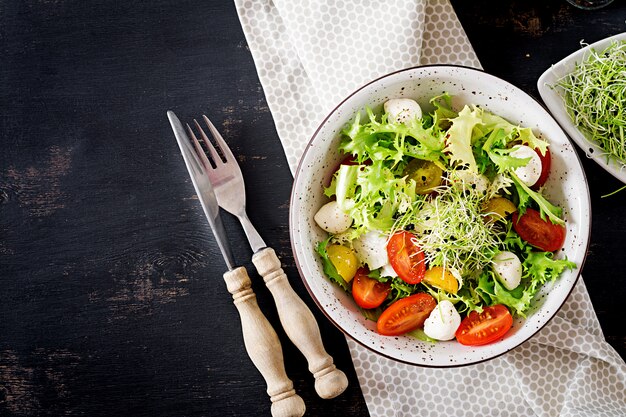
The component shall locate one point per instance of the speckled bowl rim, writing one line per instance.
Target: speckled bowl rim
(292, 232)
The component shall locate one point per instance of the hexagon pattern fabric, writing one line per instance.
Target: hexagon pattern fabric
(309, 55)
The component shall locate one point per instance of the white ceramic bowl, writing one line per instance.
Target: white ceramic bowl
(566, 186)
(553, 97)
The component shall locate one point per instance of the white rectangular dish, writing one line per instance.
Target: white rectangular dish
(552, 96)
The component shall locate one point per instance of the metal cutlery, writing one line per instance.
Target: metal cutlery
(260, 339)
(296, 318)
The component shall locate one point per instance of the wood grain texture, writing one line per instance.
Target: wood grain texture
(300, 325)
(263, 346)
(111, 302)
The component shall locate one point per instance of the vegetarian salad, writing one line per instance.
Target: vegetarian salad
(436, 222)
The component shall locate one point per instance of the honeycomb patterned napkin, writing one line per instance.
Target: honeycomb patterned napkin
(309, 54)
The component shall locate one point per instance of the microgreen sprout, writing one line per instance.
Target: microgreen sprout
(458, 237)
(595, 98)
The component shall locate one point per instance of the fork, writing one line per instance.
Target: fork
(295, 317)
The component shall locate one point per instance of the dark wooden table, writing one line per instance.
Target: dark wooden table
(111, 296)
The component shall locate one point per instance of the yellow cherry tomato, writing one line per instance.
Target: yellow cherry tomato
(426, 174)
(441, 278)
(498, 208)
(344, 260)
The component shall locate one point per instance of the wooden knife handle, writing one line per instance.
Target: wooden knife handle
(263, 346)
(300, 325)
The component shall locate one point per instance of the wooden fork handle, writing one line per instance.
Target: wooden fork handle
(263, 346)
(300, 325)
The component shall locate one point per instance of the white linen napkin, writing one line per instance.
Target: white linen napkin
(309, 55)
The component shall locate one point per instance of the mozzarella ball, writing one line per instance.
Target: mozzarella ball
(332, 219)
(531, 172)
(467, 180)
(443, 321)
(371, 249)
(402, 110)
(508, 269)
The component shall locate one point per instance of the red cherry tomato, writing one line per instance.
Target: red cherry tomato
(406, 314)
(367, 292)
(540, 233)
(546, 161)
(406, 258)
(490, 325)
(350, 160)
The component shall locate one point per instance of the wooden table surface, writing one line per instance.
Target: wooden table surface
(111, 296)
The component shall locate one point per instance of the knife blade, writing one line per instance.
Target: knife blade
(203, 188)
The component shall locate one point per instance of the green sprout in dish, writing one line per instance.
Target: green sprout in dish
(595, 99)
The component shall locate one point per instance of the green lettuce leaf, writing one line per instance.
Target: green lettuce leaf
(518, 303)
(386, 141)
(504, 161)
(459, 142)
(373, 195)
(443, 109)
(400, 289)
(485, 287)
(546, 208)
(542, 267)
(499, 154)
(345, 186)
(371, 314)
(490, 289)
(419, 334)
(526, 135)
(465, 300)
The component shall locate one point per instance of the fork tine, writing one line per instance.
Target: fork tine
(199, 150)
(196, 163)
(214, 155)
(220, 141)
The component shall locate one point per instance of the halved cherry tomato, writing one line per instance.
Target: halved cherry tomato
(481, 328)
(406, 258)
(546, 161)
(368, 292)
(497, 209)
(426, 174)
(406, 314)
(344, 260)
(351, 160)
(540, 233)
(441, 278)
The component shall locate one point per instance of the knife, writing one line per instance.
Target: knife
(260, 339)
